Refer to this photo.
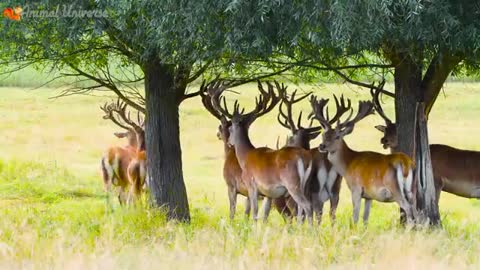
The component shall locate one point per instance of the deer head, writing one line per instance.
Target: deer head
(389, 130)
(240, 120)
(301, 136)
(116, 112)
(332, 136)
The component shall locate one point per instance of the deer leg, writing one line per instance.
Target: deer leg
(300, 214)
(267, 205)
(356, 201)
(366, 210)
(302, 202)
(281, 204)
(253, 196)
(317, 205)
(129, 196)
(292, 206)
(247, 207)
(334, 199)
(107, 175)
(108, 193)
(121, 196)
(232, 197)
(404, 204)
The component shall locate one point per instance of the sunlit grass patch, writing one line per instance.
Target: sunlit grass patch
(53, 212)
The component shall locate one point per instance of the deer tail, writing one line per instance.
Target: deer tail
(405, 180)
(303, 173)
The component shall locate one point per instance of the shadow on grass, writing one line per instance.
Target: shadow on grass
(72, 194)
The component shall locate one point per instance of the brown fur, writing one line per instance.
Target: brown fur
(127, 175)
(455, 171)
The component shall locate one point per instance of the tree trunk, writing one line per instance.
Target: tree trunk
(408, 79)
(409, 91)
(164, 154)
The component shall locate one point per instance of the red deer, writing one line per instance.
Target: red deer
(125, 166)
(271, 173)
(232, 173)
(325, 182)
(369, 175)
(455, 171)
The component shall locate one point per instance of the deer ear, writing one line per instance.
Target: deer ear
(346, 130)
(224, 121)
(314, 135)
(120, 134)
(381, 128)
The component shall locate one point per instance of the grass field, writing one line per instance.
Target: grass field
(52, 207)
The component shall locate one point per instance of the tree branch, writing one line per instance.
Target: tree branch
(349, 80)
(108, 85)
(436, 75)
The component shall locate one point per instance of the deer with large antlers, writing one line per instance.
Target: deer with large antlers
(271, 173)
(125, 167)
(232, 172)
(455, 171)
(325, 182)
(369, 175)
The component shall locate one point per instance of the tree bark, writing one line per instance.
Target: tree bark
(408, 79)
(426, 201)
(162, 134)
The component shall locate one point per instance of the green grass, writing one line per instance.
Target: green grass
(53, 215)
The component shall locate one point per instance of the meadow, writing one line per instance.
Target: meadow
(53, 214)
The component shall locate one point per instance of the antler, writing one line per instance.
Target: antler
(109, 108)
(319, 106)
(375, 92)
(120, 108)
(365, 108)
(288, 118)
(205, 92)
(217, 105)
(215, 90)
(268, 100)
(341, 107)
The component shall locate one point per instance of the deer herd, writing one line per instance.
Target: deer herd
(296, 178)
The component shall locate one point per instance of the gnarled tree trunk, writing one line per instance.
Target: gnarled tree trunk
(426, 201)
(164, 155)
(408, 92)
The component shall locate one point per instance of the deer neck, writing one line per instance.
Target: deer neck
(242, 145)
(341, 158)
(140, 142)
(305, 144)
(227, 148)
(132, 142)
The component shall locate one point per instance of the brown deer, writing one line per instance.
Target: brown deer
(369, 175)
(325, 182)
(271, 173)
(232, 172)
(125, 167)
(455, 171)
